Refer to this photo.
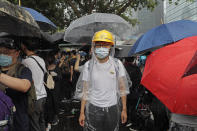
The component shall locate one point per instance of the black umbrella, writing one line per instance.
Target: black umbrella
(16, 21)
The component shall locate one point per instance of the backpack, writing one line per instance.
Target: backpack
(48, 78)
(7, 110)
(31, 93)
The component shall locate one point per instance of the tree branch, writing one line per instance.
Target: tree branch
(109, 3)
(74, 8)
(124, 7)
(92, 6)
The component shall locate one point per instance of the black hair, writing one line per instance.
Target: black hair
(31, 43)
(63, 53)
(50, 59)
(73, 52)
(129, 59)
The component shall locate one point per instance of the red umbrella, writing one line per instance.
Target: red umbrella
(171, 75)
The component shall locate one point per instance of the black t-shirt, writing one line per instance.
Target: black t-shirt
(134, 74)
(75, 73)
(21, 120)
(72, 62)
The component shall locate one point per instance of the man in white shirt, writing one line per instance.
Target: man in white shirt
(37, 122)
(104, 82)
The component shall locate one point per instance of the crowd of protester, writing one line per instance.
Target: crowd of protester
(34, 107)
(23, 69)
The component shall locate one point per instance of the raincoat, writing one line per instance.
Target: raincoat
(85, 87)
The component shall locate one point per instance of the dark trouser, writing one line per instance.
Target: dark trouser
(177, 127)
(37, 121)
(161, 121)
(131, 107)
(102, 119)
(51, 106)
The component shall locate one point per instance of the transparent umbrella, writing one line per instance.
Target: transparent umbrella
(81, 30)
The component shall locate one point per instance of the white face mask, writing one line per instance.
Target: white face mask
(102, 52)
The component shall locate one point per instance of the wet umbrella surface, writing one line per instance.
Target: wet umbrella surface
(17, 21)
(44, 23)
(164, 34)
(81, 30)
(170, 75)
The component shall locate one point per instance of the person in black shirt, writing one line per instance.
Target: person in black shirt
(53, 98)
(135, 76)
(15, 79)
(73, 74)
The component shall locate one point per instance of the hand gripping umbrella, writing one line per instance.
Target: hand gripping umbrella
(16, 21)
(81, 30)
(171, 75)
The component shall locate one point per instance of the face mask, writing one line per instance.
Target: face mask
(102, 53)
(5, 60)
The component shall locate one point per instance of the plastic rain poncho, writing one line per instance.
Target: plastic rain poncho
(84, 88)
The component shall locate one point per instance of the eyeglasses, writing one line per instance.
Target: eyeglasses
(102, 44)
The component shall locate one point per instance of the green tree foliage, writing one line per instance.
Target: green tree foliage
(62, 12)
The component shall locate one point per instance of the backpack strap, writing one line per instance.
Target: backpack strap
(19, 69)
(116, 66)
(38, 64)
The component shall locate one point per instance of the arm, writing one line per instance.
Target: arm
(82, 113)
(77, 63)
(83, 103)
(124, 103)
(71, 73)
(61, 61)
(124, 100)
(21, 85)
(60, 64)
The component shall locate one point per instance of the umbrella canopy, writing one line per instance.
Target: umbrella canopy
(164, 34)
(44, 23)
(17, 21)
(58, 37)
(169, 74)
(81, 30)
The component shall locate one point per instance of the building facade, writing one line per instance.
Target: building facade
(183, 10)
(148, 19)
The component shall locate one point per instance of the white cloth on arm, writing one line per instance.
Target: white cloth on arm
(37, 75)
(104, 92)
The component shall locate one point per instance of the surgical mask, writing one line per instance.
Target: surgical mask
(5, 60)
(102, 53)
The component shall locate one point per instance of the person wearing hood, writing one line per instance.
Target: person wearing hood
(102, 87)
